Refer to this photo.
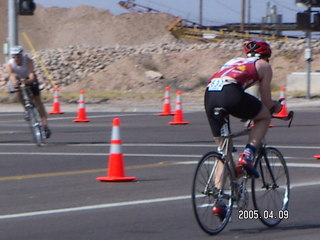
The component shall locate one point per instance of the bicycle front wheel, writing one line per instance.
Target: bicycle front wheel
(212, 186)
(270, 192)
(35, 126)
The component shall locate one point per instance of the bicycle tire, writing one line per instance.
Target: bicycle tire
(205, 193)
(271, 191)
(35, 126)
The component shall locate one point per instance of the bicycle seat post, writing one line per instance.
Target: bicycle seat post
(222, 116)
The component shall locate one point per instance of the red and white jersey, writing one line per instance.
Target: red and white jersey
(242, 70)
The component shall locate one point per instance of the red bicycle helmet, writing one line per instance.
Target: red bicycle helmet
(257, 48)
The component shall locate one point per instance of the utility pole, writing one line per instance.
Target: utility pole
(15, 8)
(12, 24)
(200, 11)
(308, 57)
(243, 11)
(304, 22)
(249, 12)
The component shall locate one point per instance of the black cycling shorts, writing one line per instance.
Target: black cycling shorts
(235, 100)
(34, 87)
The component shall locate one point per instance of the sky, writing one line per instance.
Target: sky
(215, 12)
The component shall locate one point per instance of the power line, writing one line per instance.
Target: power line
(283, 6)
(228, 7)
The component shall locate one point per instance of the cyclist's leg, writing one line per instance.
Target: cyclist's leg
(41, 109)
(38, 102)
(211, 100)
(261, 126)
(229, 99)
(19, 98)
(250, 107)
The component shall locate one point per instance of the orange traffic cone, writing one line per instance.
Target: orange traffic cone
(82, 116)
(178, 115)
(116, 170)
(56, 103)
(283, 112)
(317, 156)
(166, 104)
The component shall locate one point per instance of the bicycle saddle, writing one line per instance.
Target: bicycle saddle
(221, 114)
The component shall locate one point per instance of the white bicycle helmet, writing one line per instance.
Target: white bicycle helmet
(16, 50)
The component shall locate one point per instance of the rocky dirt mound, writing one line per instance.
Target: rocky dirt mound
(88, 48)
(59, 27)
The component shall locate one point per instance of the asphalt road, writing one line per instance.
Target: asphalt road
(52, 192)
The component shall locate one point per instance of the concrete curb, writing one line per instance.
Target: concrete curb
(189, 105)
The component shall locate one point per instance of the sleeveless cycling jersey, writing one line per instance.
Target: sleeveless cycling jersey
(21, 71)
(242, 70)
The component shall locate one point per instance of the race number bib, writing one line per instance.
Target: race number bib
(216, 85)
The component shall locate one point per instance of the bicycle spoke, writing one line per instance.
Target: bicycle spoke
(270, 192)
(211, 185)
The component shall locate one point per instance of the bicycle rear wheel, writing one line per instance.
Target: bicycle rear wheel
(270, 192)
(209, 189)
(35, 126)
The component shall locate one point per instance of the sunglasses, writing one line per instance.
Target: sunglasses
(17, 56)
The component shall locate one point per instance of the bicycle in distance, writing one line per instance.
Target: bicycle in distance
(32, 115)
(216, 182)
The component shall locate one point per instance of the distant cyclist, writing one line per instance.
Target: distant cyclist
(226, 89)
(20, 69)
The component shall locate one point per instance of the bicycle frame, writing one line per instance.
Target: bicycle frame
(262, 153)
(225, 148)
(33, 115)
(25, 91)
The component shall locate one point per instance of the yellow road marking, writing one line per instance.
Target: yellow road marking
(38, 58)
(45, 175)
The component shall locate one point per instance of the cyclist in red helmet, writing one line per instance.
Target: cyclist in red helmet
(226, 89)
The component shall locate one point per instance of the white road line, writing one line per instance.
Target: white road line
(120, 204)
(150, 155)
(102, 154)
(94, 207)
(159, 145)
(129, 114)
(298, 165)
(188, 145)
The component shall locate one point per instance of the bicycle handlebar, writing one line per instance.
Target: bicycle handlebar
(289, 118)
(18, 89)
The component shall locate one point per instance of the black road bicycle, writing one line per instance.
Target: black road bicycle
(32, 115)
(216, 182)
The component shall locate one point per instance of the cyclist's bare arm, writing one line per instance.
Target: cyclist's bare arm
(12, 76)
(265, 73)
(31, 71)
